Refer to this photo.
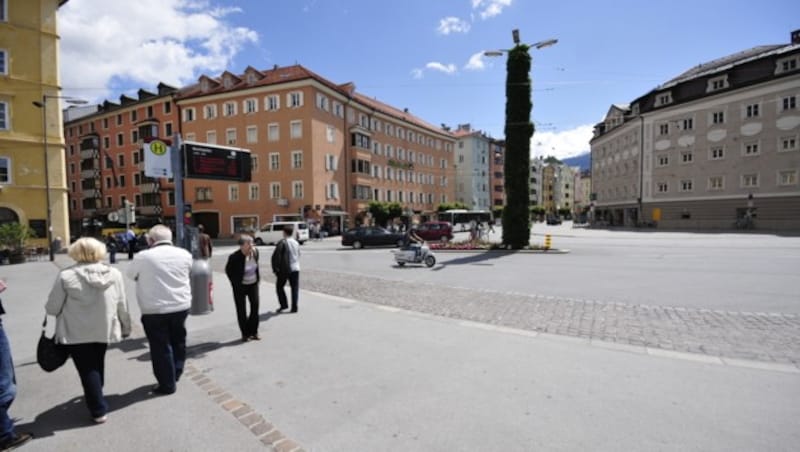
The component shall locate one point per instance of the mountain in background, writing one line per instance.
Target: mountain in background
(582, 160)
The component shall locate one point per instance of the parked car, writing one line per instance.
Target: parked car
(435, 231)
(553, 220)
(371, 236)
(273, 232)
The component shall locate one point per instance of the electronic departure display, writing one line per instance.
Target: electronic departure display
(205, 161)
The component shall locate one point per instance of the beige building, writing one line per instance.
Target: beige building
(473, 165)
(716, 143)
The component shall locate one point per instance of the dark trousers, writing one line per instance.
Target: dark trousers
(8, 387)
(294, 283)
(90, 361)
(131, 248)
(166, 334)
(248, 324)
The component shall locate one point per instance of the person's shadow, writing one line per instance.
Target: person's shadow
(73, 413)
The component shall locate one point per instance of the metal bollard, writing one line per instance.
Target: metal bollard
(202, 286)
(547, 242)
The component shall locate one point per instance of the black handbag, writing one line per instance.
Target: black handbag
(49, 354)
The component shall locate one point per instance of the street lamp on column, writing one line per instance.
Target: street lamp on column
(43, 105)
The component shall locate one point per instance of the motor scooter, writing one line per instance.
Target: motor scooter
(415, 255)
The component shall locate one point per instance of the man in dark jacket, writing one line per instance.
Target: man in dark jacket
(242, 271)
(286, 266)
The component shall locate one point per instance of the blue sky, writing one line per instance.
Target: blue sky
(424, 55)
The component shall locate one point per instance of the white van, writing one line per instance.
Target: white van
(273, 232)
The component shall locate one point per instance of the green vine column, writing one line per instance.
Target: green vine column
(519, 130)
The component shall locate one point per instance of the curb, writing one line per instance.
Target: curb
(550, 251)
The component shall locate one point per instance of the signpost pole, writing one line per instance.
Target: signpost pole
(177, 177)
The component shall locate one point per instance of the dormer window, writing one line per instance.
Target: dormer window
(204, 85)
(717, 83)
(664, 99)
(789, 64)
(227, 82)
(251, 78)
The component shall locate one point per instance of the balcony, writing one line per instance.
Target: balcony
(88, 153)
(88, 173)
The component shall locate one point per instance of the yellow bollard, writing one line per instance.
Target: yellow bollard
(547, 242)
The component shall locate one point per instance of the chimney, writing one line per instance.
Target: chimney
(796, 37)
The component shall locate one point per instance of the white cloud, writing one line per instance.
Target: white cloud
(567, 143)
(476, 62)
(452, 25)
(105, 45)
(446, 68)
(490, 8)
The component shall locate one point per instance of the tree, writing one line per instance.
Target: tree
(379, 211)
(518, 130)
(451, 206)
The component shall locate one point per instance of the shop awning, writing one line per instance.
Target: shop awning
(337, 213)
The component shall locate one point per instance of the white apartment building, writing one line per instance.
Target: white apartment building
(716, 143)
(473, 168)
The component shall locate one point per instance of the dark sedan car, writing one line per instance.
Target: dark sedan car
(371, 236)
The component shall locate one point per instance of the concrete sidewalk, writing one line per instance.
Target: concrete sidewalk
(351, 376)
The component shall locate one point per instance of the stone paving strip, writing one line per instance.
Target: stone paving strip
(751, 336)
(262, 429)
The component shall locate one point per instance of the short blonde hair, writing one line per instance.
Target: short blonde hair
(87, 250)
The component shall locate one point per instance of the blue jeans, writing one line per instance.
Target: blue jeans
(8, 386)
(166, 334)
(89, 360)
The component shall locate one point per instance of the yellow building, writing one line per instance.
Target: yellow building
(29, 86)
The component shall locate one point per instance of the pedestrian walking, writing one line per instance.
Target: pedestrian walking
(286, 266)
(111, 247)
(204, 240)
(9, 438)
(164, 293)
(130, 237)
(242, 271)
(91, 309)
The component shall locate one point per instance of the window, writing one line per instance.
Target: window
(274, 161)
(133, 116)
(190, 136)
(211, 137)
(687, 157)
(664, 99)
(662, 160)
(120, 160)
(338, 109)
(249, 106)
(297, 159)
(688, 124)
(168, 129)
(167, 108)
(332, 191)
(330, 134)
(751, 111)
(203, 194)
(188, 115)
(230, 136)
(253, 192)
(253, 163)
(716, 153)
(3, 62)
(149, 111)
(716, 183)
(750, 180)
(273, 132)
(210, 111)
(787, 143)
(3, 11)
(686, 185)
(662, 187)
(252, 134)
(717, 83)
(233, 192)
(135, 159)
(275, 190)
(718, 117)
(296, 129)
(121, 180)
(134, 136)
(789, 103)
(108, 182)
(322, 102)
(294, 99)
(331, 162)
(272, 103)
(4, 116)
(5, 170)
(229, 108)
(751, 148)
(787, 177)
(297, 189)
(137, 179)
(787, 65)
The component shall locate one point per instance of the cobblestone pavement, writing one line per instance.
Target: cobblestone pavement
(769, 337)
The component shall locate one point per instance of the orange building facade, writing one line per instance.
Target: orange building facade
(320, 152)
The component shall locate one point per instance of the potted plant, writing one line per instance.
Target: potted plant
(13, 238)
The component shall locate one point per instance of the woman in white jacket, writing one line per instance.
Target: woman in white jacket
(88, 300)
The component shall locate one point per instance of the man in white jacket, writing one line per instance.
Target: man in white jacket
(163, 290)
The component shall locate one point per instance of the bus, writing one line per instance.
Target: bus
(461, 218)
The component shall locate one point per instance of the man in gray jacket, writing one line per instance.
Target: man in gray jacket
(164, 293)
